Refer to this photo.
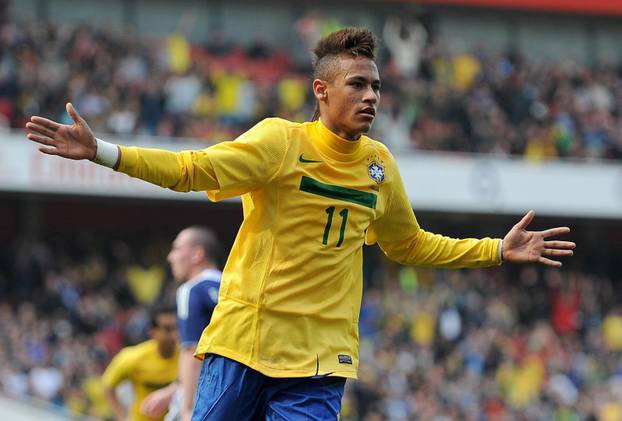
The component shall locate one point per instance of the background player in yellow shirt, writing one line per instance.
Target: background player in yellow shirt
(149, 366)
(284, 335)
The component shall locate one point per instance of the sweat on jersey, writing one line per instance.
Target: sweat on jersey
(291, 290)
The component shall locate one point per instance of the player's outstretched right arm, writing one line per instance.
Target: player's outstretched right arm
(223, 170)
(74, 141)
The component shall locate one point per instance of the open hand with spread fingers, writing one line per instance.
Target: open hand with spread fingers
(522, 246)
(74, 141)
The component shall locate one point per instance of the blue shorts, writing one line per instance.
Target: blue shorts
(228, 390)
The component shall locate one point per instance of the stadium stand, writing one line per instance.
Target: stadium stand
(508, 342)
(503, 103)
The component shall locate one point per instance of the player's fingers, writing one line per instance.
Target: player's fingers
(523, 223)
(73, 113)
(48, 150)
(44, 140)
(152, 408)
(552, 232)
(52, 125)
(146, 407)
(40, 129)
(557, 252)
(560, 244)
(549, 262)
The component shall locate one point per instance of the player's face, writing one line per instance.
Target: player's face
(351, 99)
(165, 333)
(181, 256)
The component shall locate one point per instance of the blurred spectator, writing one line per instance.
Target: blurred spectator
(181, 91)
(46, 381)
(406, 40)
(145, 282)
(612, 330)
(313, 26)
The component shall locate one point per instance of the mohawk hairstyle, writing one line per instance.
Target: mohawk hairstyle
(353, 41)
(356, 42)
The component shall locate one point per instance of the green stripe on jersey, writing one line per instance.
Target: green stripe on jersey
(309, 185)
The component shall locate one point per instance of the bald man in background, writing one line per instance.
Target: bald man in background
(193, 259)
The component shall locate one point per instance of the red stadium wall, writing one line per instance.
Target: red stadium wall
(595, 7)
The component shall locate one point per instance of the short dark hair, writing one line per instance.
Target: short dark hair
(158, 309)
(352, 41)
(355, 42)
(207, 240)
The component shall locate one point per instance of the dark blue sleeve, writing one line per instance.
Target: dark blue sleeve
(194, 311)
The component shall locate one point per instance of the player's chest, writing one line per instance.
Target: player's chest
(339, 197)
(154, 374)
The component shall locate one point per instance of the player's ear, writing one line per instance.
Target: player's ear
(199, 255)
(320, 89)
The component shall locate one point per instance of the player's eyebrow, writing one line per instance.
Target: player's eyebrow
(359, 78)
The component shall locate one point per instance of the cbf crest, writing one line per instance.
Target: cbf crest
(375, 169)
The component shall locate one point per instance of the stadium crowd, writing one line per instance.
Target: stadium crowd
(495, 344)
(67, 307)
(128, 84)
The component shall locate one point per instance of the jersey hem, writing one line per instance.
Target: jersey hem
(269, 371)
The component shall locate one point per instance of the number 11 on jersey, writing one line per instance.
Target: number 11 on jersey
(329, 220)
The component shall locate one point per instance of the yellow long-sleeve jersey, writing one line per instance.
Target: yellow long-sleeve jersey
(146, 369)
(291, 289)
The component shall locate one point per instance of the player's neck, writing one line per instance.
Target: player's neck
(352, 137)
(197, 270)
(166, 352)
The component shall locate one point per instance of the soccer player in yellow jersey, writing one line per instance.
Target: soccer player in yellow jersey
(284, 335)
(149, 366)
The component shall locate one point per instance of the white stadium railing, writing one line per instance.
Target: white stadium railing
(434, 181)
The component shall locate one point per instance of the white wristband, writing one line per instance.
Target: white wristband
(107, 154)
(500, 251)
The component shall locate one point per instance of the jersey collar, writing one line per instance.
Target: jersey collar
(210, 274)
(333, 145)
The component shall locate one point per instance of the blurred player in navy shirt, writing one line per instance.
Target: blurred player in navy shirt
(193, 258)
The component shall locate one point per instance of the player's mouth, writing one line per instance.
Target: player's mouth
(368, 112)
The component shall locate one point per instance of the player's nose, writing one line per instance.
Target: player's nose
(371, 96)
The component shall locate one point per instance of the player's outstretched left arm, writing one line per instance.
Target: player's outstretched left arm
(74, 141)
(522, 246)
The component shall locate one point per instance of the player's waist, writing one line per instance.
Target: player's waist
(312, 306)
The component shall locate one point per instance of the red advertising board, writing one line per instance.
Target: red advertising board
(592, 7)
